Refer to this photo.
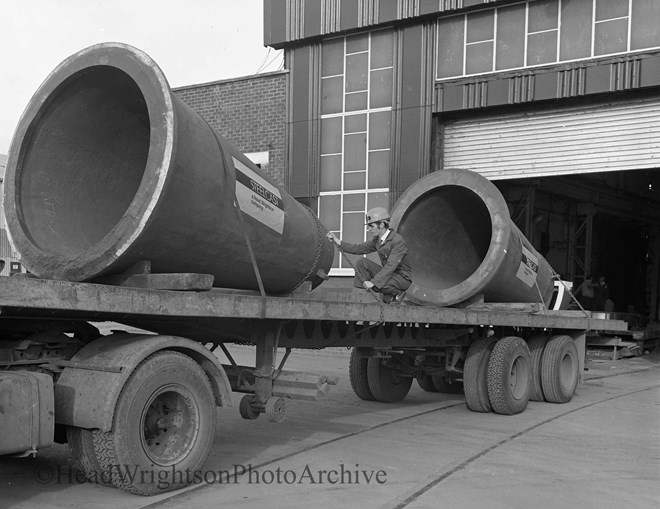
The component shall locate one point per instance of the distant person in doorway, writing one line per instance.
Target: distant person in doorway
(586, 293)
(601, 294)
(393, 278)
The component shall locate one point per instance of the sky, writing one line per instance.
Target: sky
(192, 42)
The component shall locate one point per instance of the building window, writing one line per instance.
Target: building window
(357, 84)
(543, 32)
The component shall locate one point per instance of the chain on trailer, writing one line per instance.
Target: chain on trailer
(561, 281)
(323, 231)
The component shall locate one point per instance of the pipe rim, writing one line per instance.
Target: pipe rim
(500, 233)
(157, 94)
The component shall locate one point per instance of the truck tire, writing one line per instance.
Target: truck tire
(447, 384)
(536, 345)
(81, 445)
(426, 383)
(475, 374)
(357, 375)
(509, 376)
(385, 383)
(560, 369)
(163, 428)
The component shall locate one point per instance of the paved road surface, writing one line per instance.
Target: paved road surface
(601, 450)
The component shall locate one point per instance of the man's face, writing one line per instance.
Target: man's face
(375, 229)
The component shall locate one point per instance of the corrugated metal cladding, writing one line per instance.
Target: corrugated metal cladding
(594, 138)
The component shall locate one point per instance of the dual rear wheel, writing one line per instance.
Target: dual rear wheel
(377, 379)
(502, 375)
(444, 384)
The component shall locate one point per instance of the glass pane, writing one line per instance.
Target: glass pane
(355, 151)
(357, 43)
(480, 26)
(379, 129)
(609, 9)
(356, 72)
(381, 88)
(354, 202)
(611, 37)
(379, 169)
(332, 57)
(353, 227)
(355, 123)
(510, 37)
(331, 173)
(356, 101)
(575, 35)
(382, 43)
(331, 135)
(330, 212)
(542, 48)
(378, 200)
(450, 47)
(479, 58)
(336, 258)
(331, 95)
(355, 180)
(645, 31)
(543, 15)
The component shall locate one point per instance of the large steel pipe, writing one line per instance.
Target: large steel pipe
(108, 168)
(462, 243)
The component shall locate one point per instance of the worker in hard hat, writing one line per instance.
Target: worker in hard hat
(393, 278)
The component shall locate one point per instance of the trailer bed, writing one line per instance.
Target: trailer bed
(218, 309)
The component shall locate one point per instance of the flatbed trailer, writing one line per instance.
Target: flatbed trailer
(147, 400)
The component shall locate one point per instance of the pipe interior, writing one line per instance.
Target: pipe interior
(448, 233)
(83, 160)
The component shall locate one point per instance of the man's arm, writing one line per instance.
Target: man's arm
(364, 248)
(359, 249)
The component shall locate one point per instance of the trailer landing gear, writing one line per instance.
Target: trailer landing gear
(275, 408)
(266, 388)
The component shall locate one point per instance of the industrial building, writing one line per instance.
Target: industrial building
(557, 101)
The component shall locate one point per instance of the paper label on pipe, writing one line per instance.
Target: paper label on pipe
(258, 198)
(529, 267)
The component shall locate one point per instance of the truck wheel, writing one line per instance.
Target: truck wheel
(81, 445)
(536, 346)
(385, 383)
(357, 375)
(475, 374)
(426, 383)
(509, 376)
(560, 368)
(163, 428)
(447, 384)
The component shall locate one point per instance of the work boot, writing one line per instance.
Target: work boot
(398, 298)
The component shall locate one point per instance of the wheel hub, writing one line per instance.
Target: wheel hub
(170, 424)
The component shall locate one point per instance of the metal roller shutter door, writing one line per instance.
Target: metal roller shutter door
(583, 139)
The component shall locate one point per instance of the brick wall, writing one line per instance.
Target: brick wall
(249, 111)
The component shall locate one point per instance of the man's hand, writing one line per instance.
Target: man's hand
(333, 238)
(368, 285)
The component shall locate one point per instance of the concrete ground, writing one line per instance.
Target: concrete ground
(601, 450)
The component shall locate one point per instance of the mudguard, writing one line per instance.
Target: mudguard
(86, 395)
